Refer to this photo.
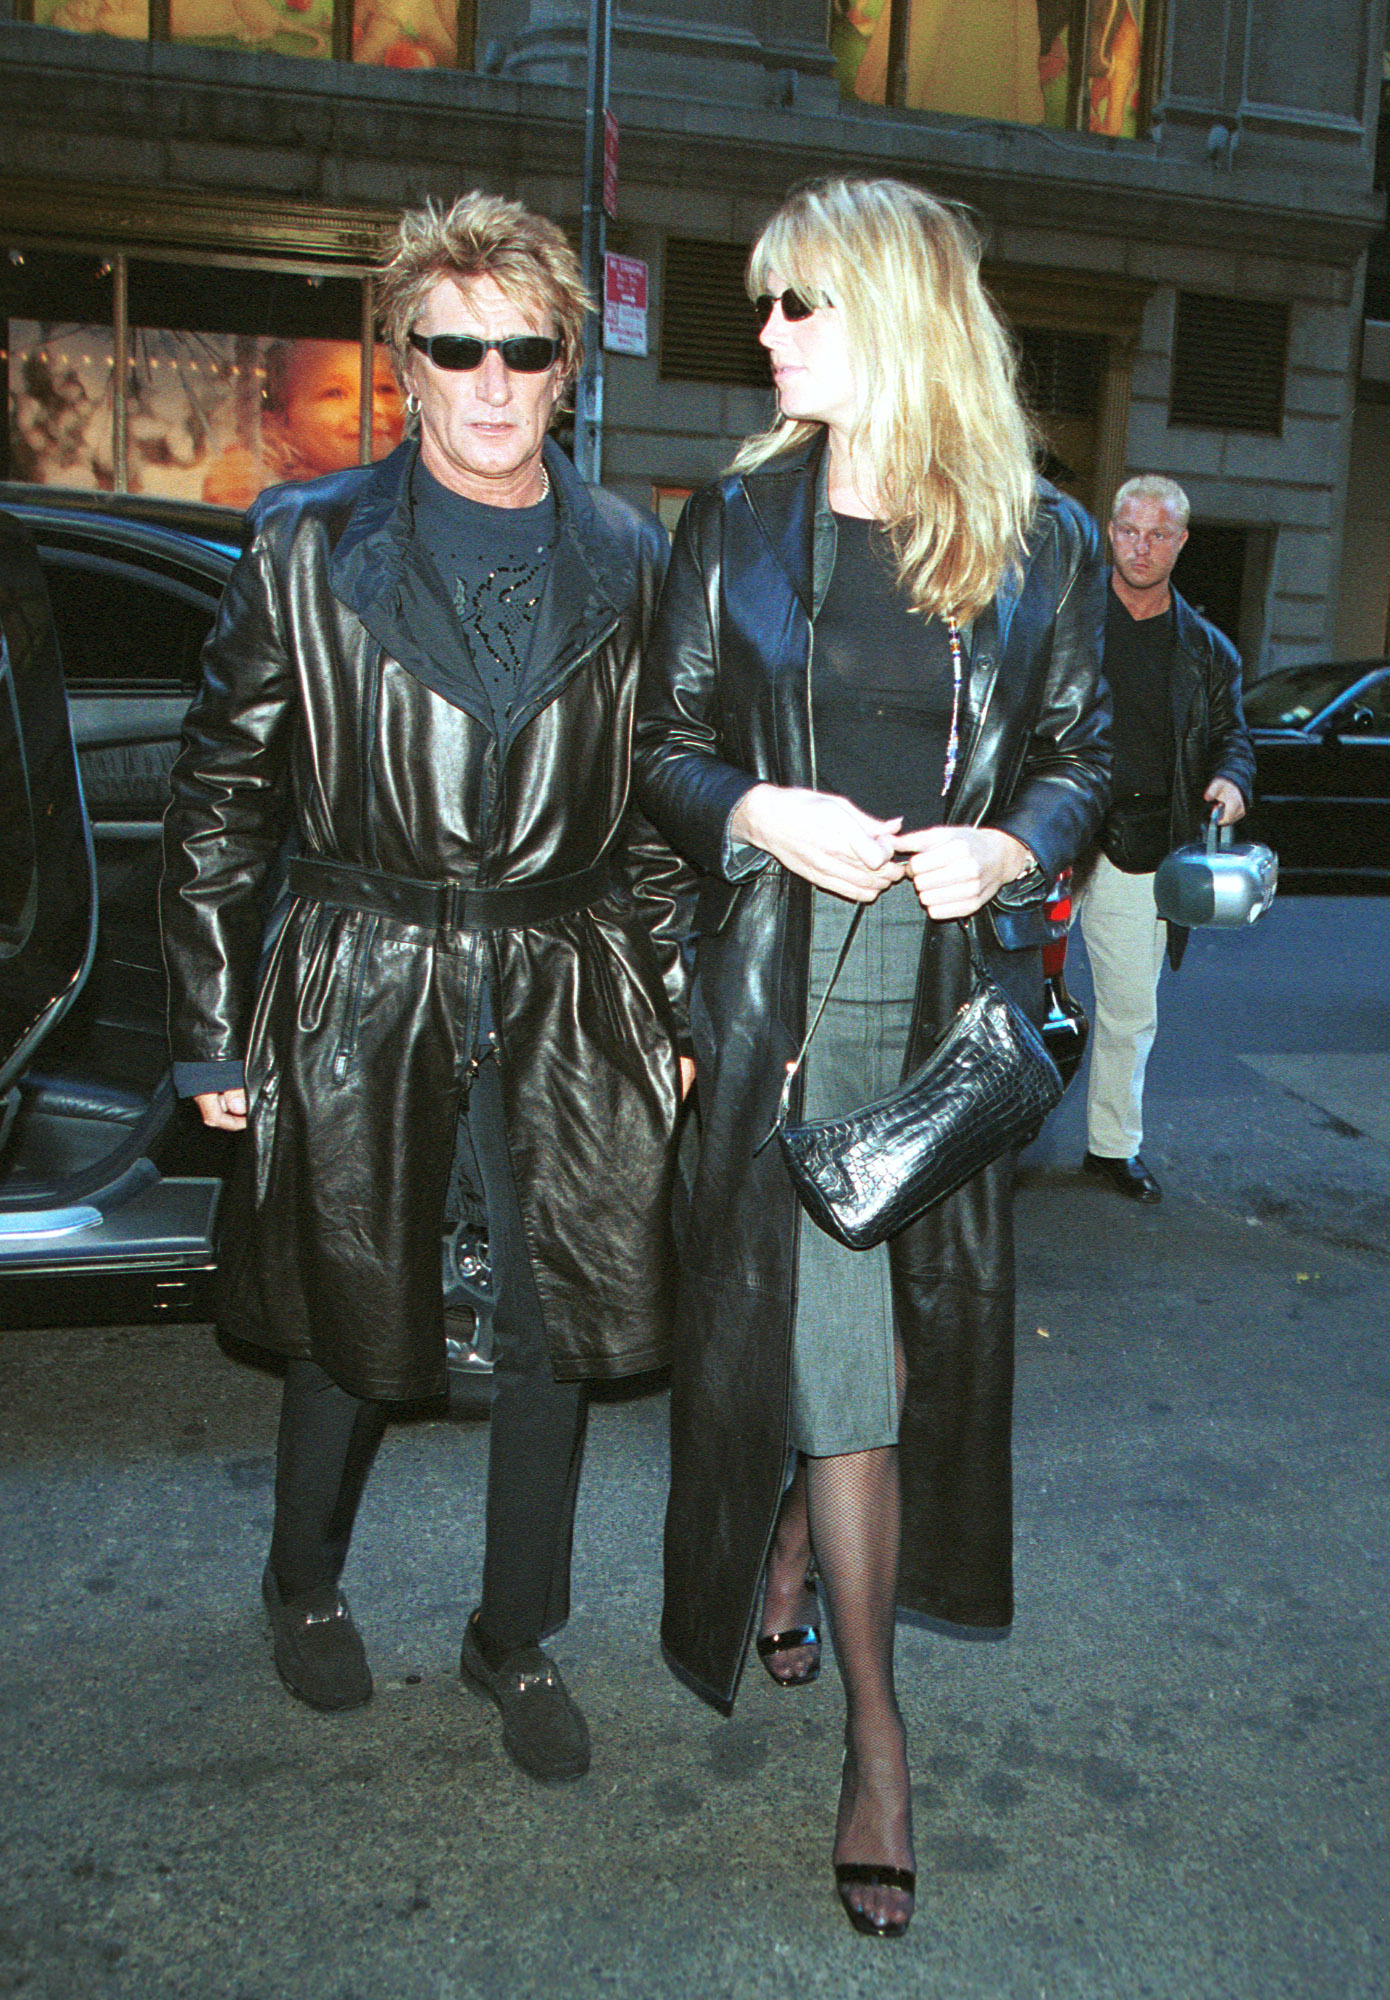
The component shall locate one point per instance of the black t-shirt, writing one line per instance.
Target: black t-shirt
(493, 562)
(1138, 665)
(880, 687)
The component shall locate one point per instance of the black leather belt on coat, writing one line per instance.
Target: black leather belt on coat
(450, 906)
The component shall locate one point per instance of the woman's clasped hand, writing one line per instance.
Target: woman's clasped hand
(954, 870)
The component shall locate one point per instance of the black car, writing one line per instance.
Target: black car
(1322, 773)
(108, 1195)
(109, 1189)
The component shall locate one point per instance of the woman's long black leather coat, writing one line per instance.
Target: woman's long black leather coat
(725, 704)
(324, 713)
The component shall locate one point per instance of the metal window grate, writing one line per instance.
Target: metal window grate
(708, 333)
(1229, 357)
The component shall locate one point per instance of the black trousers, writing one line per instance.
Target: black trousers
(329, 1437)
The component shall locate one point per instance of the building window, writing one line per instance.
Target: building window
(1229, 358)
(399, 34)
(708, 332)
(1077, 65)
(231, 379)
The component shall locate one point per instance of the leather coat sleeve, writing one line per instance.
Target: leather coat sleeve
(682, 782)
(1232, 752)
(227, 817)
(1062, 789)
(662, 885)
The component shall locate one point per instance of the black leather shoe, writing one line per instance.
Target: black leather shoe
(318, 1650)
(1130, 1177)
(542, 1728)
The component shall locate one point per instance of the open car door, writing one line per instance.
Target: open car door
(81, 1193)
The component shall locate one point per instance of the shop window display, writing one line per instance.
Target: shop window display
(396, 34)
(1072, 64)
(208, 416)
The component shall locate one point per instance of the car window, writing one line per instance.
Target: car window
(118, 630)
(1375, 698)
(1291, 698)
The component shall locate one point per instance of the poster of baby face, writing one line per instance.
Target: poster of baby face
(214, 417)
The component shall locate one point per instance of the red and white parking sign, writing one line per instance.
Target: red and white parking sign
(624, 305)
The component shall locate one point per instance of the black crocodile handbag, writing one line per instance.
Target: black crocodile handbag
(986, 1086)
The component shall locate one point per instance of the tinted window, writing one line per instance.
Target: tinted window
(1375, 699)
(116, 629)
(1288, 700)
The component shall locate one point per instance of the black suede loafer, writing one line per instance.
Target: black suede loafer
(318, 1650)
(542, 1728)
(1129, 1177)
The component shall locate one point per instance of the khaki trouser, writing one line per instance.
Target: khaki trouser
(1125, 938)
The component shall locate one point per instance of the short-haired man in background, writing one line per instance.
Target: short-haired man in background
(1180, 747)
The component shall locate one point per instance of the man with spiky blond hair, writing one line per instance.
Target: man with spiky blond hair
(421, 681)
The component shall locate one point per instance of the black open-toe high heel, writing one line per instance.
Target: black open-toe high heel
(874, 1875)
(795, 1637)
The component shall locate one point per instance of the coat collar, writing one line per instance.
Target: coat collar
(378, 571)
(786, 495)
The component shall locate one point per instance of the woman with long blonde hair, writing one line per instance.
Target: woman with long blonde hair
(873, 680)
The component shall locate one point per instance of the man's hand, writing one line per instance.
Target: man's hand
(821, 837)
(1228, 796)
(224, 1110)
(957, 869)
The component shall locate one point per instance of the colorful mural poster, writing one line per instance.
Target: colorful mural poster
(213, 417)
(406, 34)
(998, 59)
(130, 18)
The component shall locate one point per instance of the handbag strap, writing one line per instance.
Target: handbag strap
(952, 752)
(981, 971)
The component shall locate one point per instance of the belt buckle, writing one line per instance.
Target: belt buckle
(452, 904)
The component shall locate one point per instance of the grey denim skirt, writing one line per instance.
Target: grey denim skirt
(844, 1387)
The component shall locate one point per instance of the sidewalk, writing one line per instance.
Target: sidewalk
(1170, 1781)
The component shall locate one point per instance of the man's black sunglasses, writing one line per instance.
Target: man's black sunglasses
(460, 353)
(793, 307)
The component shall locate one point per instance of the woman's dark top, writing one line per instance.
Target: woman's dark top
(880, 686)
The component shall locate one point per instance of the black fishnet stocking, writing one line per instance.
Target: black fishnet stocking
(855, 1516)
(849, 1510)
(787, 1599)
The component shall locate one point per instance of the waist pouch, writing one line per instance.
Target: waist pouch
(1136, 833)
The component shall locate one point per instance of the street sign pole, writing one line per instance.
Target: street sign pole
(588, 413)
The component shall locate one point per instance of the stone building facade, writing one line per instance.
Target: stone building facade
(1188, 289)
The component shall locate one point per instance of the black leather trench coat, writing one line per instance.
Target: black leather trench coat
(725, 703)
(324, 717)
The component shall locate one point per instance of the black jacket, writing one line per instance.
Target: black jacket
(322, 715)
(1210, 739)
(725, 704)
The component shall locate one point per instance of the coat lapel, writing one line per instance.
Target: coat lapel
(579, 598)
(782, 500)
(381, 574)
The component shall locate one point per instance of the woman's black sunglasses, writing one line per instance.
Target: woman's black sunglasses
(460, 353)
(793, 307)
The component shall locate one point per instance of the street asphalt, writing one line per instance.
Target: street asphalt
(1169, 1781)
